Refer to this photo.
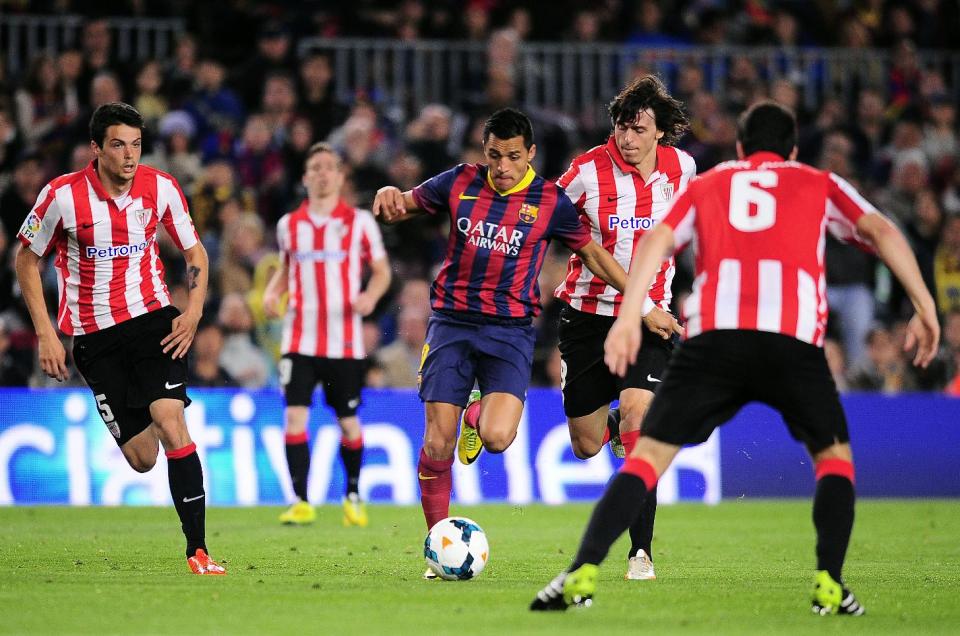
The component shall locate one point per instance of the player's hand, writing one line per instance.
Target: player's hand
(662, 323)
(53, 357)
(271, 304)
(923, 332)
(364, 304)
(181, 336)
(388, 204)
(621, 346)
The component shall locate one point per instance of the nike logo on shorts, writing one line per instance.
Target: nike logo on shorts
(424, 477)
(189, 499)
(650, 378)
(169, 386)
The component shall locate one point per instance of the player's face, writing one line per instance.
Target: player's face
(323, 176)
(637, 139)
(508, 160)
(120, 155)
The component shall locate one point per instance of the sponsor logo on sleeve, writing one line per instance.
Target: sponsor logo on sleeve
(31, 226)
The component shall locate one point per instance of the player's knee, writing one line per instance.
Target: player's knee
(142, 464)
(497, 442)
(584, 448)
(438, 448)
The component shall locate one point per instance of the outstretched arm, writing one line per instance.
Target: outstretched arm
(185, 325)
(53, 357)
(923, 332)
(623, 339)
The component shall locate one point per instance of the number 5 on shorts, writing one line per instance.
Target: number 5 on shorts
(105, 411)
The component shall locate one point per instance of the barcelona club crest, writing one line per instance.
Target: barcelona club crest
(528, 213)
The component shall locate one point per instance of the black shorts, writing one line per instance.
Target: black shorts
(342, 380)
(713, 375)
(127, 370)
(586, 382)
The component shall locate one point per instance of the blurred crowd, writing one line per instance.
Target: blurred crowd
(232, 111)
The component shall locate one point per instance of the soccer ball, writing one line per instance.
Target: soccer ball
(456, 549)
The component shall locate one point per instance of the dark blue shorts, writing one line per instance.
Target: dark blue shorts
(459, 352)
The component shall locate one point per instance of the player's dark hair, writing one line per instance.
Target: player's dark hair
(768, 126)
(649, 92)
(508, 123)
(113, 114)
(322, 146)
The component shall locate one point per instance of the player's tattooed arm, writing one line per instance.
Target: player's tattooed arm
(193, 274)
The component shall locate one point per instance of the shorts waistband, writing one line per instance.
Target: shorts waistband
(484, 319)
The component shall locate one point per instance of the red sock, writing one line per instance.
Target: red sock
(436, 482)
(642, 469)
(471, 416)
(629, 440)
(606, 436)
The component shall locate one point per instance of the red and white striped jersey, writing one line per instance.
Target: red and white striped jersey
(107, 258)
(759, 227)
(619, 206)
(325, 257)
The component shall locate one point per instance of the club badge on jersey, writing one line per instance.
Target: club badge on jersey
(528, 213)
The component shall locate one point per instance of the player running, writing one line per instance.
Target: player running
(130, 344)
(325, 245)
(502, 218)
(622, 190)
(755, 328)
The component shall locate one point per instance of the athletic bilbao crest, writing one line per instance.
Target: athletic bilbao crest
(667, 189)
(143, 217)
(528, 213)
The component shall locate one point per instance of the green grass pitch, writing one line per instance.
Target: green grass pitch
(738, 568)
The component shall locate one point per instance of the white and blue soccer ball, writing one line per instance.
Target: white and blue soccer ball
(456, 549)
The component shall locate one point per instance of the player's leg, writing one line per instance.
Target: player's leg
(504, 359)
(801, 388)
(436, 460)
(586, 384)
(676, 417)
(185, 475)
(343, 380)
(634, 404)
(297, 379)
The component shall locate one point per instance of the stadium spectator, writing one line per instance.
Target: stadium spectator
(242, 249)
(240, 357)
(205, 369)
(18, 198)
(951, 339)
(946, 266)
(259, 166)
(400, 360)
(882, 368)
(180, 70)
(317, 99)
(175, 148)
(96, 48)
(272, 55)
(216, 109)
(12, 371)
(148, 97)
(42, 106)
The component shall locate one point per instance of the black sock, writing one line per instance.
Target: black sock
(186, 488)
(833, 519)
(614, 513)
(352, 460)
(613, 422)
(641, 530)
(298, 462)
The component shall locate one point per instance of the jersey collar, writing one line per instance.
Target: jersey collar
(521, 185)
(627, 168)
(762, 156)
(340, 211)
(136, 188)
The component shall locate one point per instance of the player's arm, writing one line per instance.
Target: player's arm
(600, 262)
(53, 357)
(392, 206)
(623, 339)
(923, 330)
(185, 325)
(276, 287)
(376, 287)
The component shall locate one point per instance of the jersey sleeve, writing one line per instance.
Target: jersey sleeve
(566, 224)
(433, 195)
(681, 216)
(371, 240)
(283, 238)
(573, 184)
(845, 206)
(40, 228)
(174, 213)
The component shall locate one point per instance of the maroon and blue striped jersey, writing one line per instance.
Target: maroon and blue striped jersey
(498, 240)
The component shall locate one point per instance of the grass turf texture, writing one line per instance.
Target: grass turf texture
(738, 568)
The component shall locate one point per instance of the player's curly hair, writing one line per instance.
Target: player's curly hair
(649, 92)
